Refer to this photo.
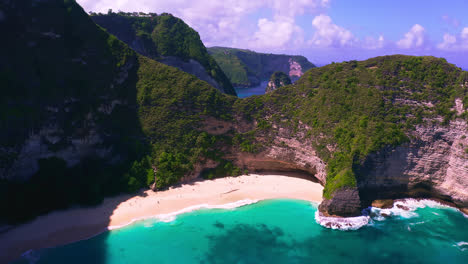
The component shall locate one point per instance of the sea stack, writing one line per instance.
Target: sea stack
(278, 79)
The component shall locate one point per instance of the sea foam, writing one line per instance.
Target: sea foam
(341, 223)
(169, 217)
(404, 208)
(462, 245)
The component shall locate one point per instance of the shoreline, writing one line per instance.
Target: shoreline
(67, 226)
(400, 207)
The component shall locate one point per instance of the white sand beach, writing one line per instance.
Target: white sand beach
(62, 227)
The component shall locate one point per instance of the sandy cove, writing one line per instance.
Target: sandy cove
(62, 227)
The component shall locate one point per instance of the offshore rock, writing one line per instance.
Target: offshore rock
(345, 203)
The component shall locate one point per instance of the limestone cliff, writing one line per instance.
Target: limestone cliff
(433, 164)
(83, 116)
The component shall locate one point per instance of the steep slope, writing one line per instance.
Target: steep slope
(169, 40)
(247, 68)
(84, 116)
(388, 127)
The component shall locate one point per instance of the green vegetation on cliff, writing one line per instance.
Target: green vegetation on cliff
(278, 79)
(249, 68)
(355, 108)
(83, 116)
(98, 117)
(161, 36)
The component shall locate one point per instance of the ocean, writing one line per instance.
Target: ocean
(243, 92)
(276, 231)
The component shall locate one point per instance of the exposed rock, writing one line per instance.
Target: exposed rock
(383, 204)
(433, 164)
(402, 207)
(345, 203)
(295, 69)
(51, 141)
(459, 106)
(199, 168)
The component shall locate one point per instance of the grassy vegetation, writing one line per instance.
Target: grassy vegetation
(248, 68)
(171, 108)
(163, 35)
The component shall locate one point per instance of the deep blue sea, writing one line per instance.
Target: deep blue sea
(274, 231)
(246, 92)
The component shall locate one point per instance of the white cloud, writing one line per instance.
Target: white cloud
(296, 7)
(372, 43)
(449, 41)
(415, 38)
(464, 33)
(276, 34)
(328, 34)
(223, 22)
(454, 43)
(230, 22)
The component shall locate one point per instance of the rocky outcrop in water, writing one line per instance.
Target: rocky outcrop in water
(344, 203)
(277, 80)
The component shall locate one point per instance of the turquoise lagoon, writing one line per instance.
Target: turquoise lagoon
(275, 231)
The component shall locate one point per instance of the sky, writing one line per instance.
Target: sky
(324, 31)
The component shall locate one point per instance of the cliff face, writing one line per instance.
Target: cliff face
(59, 90)
(433, 164)
(80, 111)
(84, 116)
(247, 68)
(416, 146)
(168, 40)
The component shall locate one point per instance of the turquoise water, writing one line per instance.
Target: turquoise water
(273, 231)
(243, 92)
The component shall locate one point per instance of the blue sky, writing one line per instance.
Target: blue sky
(322, 30)
(394, 18)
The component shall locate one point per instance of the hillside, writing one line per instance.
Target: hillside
(166, 39)
(84, 117)
(387, 127)
(246, 68)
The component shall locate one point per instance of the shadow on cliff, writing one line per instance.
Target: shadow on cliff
(384, 175)
(58, 187)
